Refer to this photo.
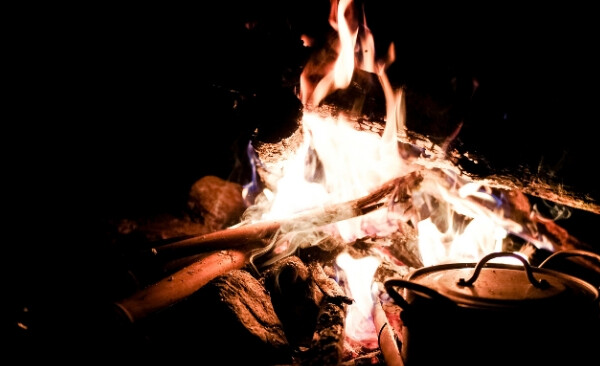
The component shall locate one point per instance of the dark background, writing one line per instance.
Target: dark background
(147, 99)
(159, 87)
(114, 111)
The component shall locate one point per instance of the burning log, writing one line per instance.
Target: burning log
(229, 321)
(247, 236)
(257, 234)
(328, 285)
(295, 298)
(189, 279)
(218, 202)
(242, 310)
(327, 346)
(386, 337)
(180, 284)
(401, 247)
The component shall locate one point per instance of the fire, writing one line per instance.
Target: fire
(457, 220)
(341, 164)
(336, 162)
(359, 280)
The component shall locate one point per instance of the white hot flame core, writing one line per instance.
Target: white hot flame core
(359, 280)
(353, 163)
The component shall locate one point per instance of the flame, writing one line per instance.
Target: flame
(343, 67)
(456, 219)
(359, 280)
(336, 162)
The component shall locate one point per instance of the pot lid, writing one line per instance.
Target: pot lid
(503, 285)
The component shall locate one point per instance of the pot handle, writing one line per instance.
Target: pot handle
(539, 284)
(391, 284)
(570, 253)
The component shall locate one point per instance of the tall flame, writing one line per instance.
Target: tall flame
(343, 67)
(457, 220)
(336, 162)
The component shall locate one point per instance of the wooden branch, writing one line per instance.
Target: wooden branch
(254, 235)
(386, 337)
(242, 237)
(327, 285)
(180, 284)
(327, 347)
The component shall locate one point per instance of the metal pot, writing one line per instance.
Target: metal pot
(481, 313)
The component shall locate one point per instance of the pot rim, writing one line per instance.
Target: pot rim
(502, 285)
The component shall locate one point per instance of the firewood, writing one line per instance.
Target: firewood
(560, 237)
(295, 298)
(257, 234)
(327, 284)
(327, 346)
(184, 282)
(244, 237)
(401, 246)
(219, 203)
(180, 284)
(229, 321)
(386, 337)
(243, 310)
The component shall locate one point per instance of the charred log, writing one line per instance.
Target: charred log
(245, 309)
(402, 246)
(295, 298)
(364, 97)
(328, 285)
(230, 321)
(216, 202)
(327, 345)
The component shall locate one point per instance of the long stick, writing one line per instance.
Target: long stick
(191, 278)
(255, 235)
(246, 236)
(387, 340)
(180, 284)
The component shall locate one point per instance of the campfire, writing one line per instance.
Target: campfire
(289, 266)
(293, 262)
